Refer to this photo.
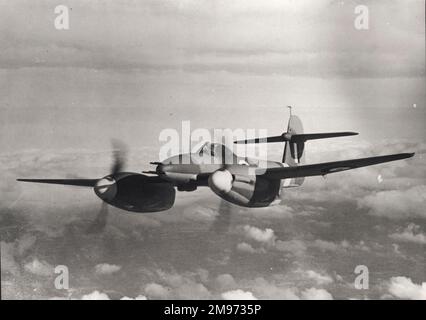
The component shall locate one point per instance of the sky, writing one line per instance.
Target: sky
(130, 69)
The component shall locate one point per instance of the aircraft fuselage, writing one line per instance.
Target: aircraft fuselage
(235, 181)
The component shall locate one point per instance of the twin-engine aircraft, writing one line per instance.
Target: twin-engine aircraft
(243, 181)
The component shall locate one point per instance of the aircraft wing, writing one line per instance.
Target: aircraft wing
(84, 182)
(321, 169)
(69, 182)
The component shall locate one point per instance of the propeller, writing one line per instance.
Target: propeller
(223, 180)
(106, 187)
(223, 219)
(119, 155)
(99, 224)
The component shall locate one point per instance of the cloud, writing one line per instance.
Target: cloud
(396, 204)
(281, 211)
(246, 247)
(316, 294)
(292, 285)
(13, 253)
(324, 245)
(296, 247)
(200, 213)
(178, 286)
(106, 269)
(8, 261)
(318, 278)
(182, 286)
(264, 236)
(157, 291)
(238, 295)
(95, 295)
(225, 281)
(360, 184)
(410, 234)
(25, 243)
(139, 297)
(40, 268)
(264, 289)
(404, 288)
(343, 245)
(85, 256)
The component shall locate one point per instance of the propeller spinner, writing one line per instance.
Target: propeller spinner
(106, 187)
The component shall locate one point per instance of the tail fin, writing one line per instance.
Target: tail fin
(294, 149)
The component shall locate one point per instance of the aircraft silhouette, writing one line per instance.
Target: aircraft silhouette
(239, 180)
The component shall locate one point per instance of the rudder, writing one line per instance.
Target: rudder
(294, 150)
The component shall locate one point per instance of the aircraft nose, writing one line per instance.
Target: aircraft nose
(160, 169)
(163, 168)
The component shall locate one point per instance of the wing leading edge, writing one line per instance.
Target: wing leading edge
(321, 169)
(69, 182)
(85, 182)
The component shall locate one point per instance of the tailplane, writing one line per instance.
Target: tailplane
(295, 138)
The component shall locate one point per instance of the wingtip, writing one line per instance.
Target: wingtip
(406, 155)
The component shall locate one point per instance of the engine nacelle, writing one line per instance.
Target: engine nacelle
(135, 192)
(243, 189)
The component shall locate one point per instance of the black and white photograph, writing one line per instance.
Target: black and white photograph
(212, 150)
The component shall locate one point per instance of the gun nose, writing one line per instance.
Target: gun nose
(159, 169)
(162, 168)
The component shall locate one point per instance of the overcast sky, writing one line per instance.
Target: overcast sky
(129, 69)
(132, 68)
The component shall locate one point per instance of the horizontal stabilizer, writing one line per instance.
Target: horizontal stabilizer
(261, 140)
(321, 169)
(297, 137)
(313, 136)
(70, 182)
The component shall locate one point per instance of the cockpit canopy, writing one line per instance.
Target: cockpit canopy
(217, 151)
(213, 149)
(208, 153)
